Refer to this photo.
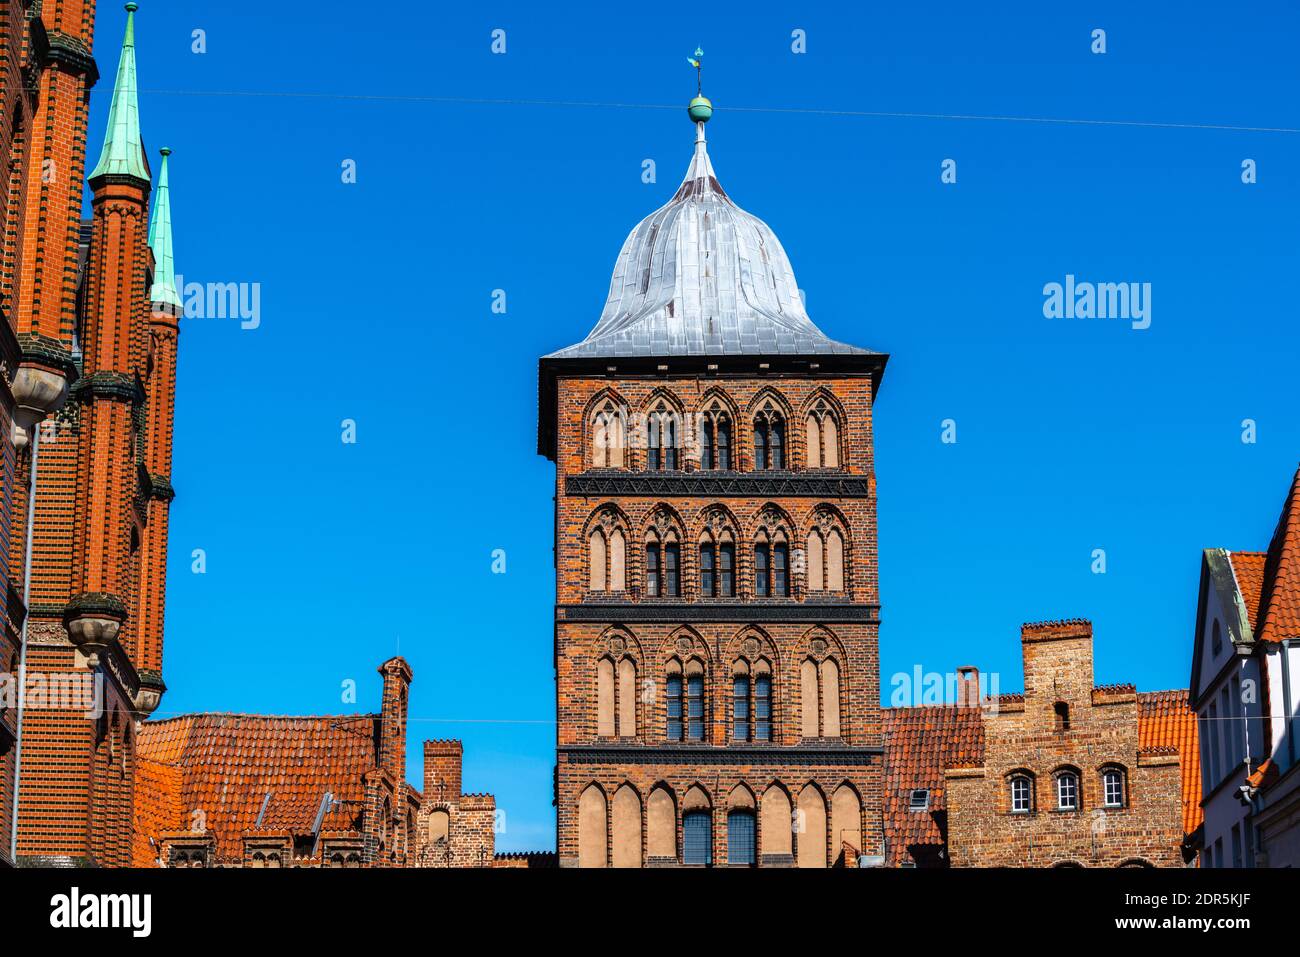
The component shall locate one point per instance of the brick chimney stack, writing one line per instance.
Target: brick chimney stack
(392, 733)
(968, 686)
(442, 763)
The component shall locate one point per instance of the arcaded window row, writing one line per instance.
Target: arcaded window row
(665, 436)
(781, 828)
(773, 560)
(686, 698)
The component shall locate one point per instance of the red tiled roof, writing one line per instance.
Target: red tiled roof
(1280, 601)
(919, 744)
(1248, 567)
(157, 807)
(1165, 720)
(225, 765)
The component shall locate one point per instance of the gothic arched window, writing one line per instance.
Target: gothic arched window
(664, 427)
(751, 701)
(608, 436)
(741, 686)
(769, 438)
(717, 564)
(684, 691)
(823, 436)
(606, 555)
(771, 565)
(819, 689)
(742, 830)
(825, 555)
(663, 578)
(762, 702)
(715, 438)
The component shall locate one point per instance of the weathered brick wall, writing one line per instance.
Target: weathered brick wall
(44, 278)
(43, 109)
(442, 775)
(1026, 736)
(471, 836)
(54, 802)
(467, 822)
(681, 626)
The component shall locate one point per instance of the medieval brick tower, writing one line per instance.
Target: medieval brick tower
(717, 605)
(102, 309)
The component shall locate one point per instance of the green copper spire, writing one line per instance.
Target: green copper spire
(160, 241)
(123, 153)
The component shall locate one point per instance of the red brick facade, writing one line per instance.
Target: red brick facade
(814, 787)
(1065, 777)
(102, 488)
(46, 72)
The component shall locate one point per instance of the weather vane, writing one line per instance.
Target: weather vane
(700, 109)
(696, 62)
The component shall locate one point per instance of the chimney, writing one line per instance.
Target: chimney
(442, 770)
(968, 686)
(392, 720)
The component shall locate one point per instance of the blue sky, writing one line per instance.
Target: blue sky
(325, 558)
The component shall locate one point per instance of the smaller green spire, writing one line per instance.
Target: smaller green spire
(160, 241)
(123, 153)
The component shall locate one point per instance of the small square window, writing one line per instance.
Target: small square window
(920, 800)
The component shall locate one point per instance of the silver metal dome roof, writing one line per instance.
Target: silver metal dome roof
(700, 276)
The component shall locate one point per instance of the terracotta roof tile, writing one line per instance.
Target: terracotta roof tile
(919, 744)
(1280, 600)
(157, 808)
(1165, 720)
(1248, 567)
(225, 765)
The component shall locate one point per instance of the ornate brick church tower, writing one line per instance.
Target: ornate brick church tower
(717, 607)
(92, 646)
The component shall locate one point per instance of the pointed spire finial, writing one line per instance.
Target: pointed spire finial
(160, 241)
(700, 108)
(123, 153)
